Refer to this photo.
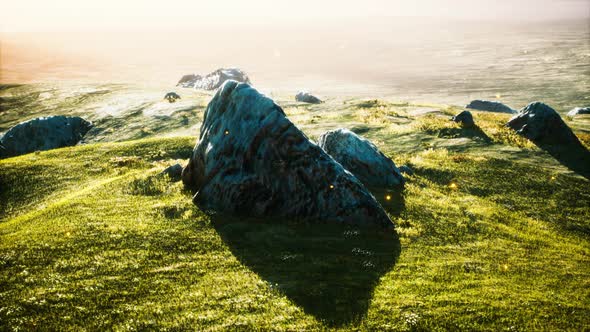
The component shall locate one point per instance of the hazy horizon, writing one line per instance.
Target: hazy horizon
(34, 15)
(374, 48)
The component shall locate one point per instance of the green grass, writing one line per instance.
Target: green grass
(93, 239)
(492, 234)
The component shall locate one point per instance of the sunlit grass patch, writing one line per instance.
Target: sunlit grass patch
(149, 185)
(92, 237)
(493, 126)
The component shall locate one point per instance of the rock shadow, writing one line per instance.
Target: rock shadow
(328, 270)
(391, 199)
(574, 156)
(473, 132)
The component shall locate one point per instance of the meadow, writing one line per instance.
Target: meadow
(492, 232)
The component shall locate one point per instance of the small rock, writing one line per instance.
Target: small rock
(44, 133)
(362, 158)
(306, 97)
(578, 111)
(213, 80)
(464, 118)
(542, 125)
(405, 169)
(171, 97)
(250, 160)
(174, 172)
(490, 106)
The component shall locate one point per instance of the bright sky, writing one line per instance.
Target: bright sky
(35, 15)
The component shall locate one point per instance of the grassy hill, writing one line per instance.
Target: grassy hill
(492, 234)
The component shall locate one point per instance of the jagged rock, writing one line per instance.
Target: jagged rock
(362, 158)
(187, 81)
(464, 118)
(43, 134)
(405, 169)
(578, 111)
(251, 160)
(306, 97)
(213, 80)
(542, 125)
(174, 172)
(490, 106)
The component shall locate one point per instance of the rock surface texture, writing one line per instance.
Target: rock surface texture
(43, 134)
(578, 111)
(490, 106)
(213, 80)
(362, 158)
(464, 118)
(306, 97)
(542, 124)
(250, 160)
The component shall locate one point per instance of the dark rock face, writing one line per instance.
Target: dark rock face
(213, 80)
(578, 111)
(306, 97)
(171, 97)
(43, 134)
(464, 118)
(490, 106)
(251, 160)
(542, 125)
(362, 158)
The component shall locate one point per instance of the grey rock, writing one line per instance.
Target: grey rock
(465, 119)
(187, 81)
(213, 80)
(542, 124)
(362, 158)
(490, 106)
(578, 111)
(174, 172)
(405, 169)
(306, 97)
(250, 160)
(43, 134)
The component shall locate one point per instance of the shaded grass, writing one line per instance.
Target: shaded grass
(122, 249)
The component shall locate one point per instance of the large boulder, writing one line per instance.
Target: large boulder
(250, 160)
(489, 106)
(362, 158)
(213, 80)
(465, 119)
(43, 134)
(542, 124)
(578, 111)
(306, 97)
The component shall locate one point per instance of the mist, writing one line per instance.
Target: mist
(427, 47)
